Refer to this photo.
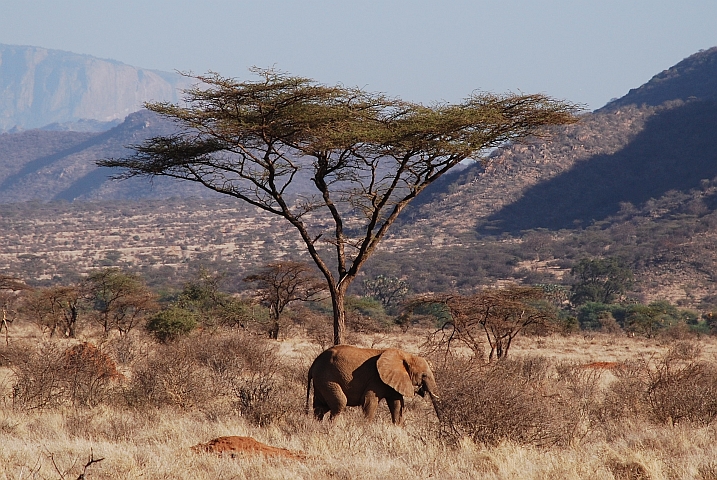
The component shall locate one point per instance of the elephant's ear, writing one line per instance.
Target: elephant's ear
(392, 370)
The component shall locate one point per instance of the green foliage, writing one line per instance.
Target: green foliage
(366, 306)
(438, 312)
(212, 307)
(636, 318)
(649, 319)
(600, 280)
(566, 323)
(362, 313)
(387, 290)
(590, 314)
(171, 323)
(120, 299)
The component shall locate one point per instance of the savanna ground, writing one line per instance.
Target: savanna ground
(595, 407)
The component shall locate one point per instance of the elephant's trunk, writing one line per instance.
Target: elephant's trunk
(436, 405)
(429, 386)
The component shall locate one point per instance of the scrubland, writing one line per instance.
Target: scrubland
(594, 407)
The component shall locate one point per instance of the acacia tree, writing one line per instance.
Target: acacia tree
(121, 300)
(366, 155)
(497, 314)
(279, 284)
(56, 306)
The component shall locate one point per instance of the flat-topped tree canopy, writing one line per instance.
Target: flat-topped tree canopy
(367, 155)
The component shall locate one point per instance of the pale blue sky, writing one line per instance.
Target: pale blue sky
(586, 51)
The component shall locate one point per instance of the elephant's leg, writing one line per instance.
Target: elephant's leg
(395, 405)
(335, 398)
(370, 404)
(320, 406)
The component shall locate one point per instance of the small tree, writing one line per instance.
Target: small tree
(649, 319)
(55, 307)
(171, 323)
(365, 155)
(9, 286)
(279, 284)
(121, 300)
(599, 280)
(211, 306)
(498, 314)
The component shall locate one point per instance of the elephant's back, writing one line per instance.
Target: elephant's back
(341, 362)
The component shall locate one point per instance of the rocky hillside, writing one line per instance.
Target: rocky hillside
(657, 139)
(66, 91)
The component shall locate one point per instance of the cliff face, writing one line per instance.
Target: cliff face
(41, 87)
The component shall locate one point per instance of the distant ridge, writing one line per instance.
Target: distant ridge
(68, 91)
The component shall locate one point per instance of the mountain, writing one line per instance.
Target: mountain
(693, 78)
(48, 165)
(657, 139)
(53, 165)
(66, 91)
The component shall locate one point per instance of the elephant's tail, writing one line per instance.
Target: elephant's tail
(308, 388)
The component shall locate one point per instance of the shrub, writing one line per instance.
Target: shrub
(171, 323)
(88, 374)
(225, 372)
(673, 388)
(591, 313)
(608, 324)
(516, 400)
(38, 382)
(81, 375)
(681, 388)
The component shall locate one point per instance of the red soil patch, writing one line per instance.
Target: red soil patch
(235, 445)
(603, 365)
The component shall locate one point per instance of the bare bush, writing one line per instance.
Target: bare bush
(318, 328)
(624, 397)
(673, 388)
(227, 372)
(88, 374)
(171, 376)
(681, 388)
(123, 349)
(628, 470)
(517, 400)
(37, 378)
(49, 376)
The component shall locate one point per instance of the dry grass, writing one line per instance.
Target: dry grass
(146, 429)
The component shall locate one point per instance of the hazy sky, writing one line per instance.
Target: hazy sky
(586, 51)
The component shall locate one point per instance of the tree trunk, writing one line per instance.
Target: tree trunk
(72, 326)
(274, 330)
(337, 299)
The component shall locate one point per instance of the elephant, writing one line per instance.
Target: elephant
(345, 375)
